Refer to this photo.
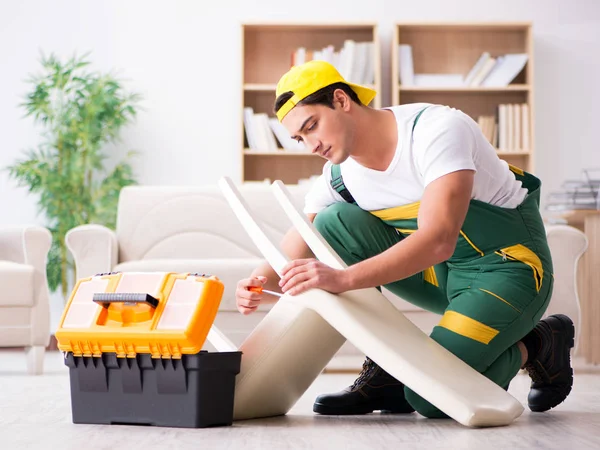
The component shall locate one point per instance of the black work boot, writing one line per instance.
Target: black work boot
(373, 390)
(550, 367)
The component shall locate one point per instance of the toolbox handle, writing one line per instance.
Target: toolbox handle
(106, 298)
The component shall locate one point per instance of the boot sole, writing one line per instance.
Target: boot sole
(321, 408)
(570, 342)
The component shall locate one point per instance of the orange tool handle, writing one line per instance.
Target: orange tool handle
(260, 290)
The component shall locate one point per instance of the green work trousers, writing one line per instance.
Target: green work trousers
(488, 300)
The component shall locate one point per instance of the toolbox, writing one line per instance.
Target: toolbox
(134, 342)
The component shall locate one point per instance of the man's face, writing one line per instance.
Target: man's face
(323, 130)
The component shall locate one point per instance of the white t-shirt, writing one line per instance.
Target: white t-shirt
(445, 140)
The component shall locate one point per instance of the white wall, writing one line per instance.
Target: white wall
(184, 57)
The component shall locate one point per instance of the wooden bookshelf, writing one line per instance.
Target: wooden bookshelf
(266, 56)
(454, 48)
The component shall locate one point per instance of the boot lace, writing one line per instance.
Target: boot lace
(534, 373)
(368, 368)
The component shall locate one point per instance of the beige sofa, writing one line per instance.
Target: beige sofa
(179, 229)
(24, 304)
(164, 228)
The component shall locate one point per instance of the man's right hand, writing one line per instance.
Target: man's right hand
(247, 301)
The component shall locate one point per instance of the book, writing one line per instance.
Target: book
(508, 68)
(476, 68)
(406, 70)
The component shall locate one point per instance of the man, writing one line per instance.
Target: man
(414, 198)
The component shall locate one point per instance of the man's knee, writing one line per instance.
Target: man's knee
(422, 406)
(336, 215)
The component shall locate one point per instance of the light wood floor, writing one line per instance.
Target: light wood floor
(35, 412)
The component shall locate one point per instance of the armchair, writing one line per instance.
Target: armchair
(567, 245)
(24, 304)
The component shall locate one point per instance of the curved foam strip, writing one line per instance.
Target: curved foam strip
(291, 346)
(272, 254)
(288, 349)
(372, 323)
(377, 328)
(281, 358)
(307, 230)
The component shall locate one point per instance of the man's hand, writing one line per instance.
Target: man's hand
(246, 300)
(303, 274)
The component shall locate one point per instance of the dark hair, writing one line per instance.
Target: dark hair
(323, 96)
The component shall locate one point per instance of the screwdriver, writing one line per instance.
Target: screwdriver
(261, 290)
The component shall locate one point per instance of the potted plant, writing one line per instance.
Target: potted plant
(81, 112)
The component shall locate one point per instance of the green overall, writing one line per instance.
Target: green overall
(490, 293)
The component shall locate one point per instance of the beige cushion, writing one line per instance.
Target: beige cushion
(17, 284)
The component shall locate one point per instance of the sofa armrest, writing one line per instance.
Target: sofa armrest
(30, 245)
(26, 245)
(94, 249)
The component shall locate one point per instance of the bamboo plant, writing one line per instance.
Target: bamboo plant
(81, 112)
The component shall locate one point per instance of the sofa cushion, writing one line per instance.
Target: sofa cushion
(16, 282)
(229, 271)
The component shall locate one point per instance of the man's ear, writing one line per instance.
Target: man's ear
(341, 99)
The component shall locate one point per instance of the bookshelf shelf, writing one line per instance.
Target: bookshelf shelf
(509, 153)
(268, 50)
(284, 153)
(451, 51)
(513, 87)
(272, 87)
(260, 87)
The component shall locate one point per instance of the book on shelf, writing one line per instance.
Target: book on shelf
(267, 134)
(499, 71)
(488, 71)
(483, 72)
(509, 130)
(355, 60)
(513, 127)
(408, 77)
(406, 71)
(478, 67)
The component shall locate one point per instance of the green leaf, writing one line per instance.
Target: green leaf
(79, 113)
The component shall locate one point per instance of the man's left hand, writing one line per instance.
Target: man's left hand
(303, 274)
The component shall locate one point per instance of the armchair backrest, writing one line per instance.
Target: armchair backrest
(567, 245)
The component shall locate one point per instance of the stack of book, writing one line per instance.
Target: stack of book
(509, 130)
(355, 60)
(498, 71)
(577, 194)
(488, 71)
(267, 134)
(513, 128)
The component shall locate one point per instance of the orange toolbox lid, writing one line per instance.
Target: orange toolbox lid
(162, 313)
